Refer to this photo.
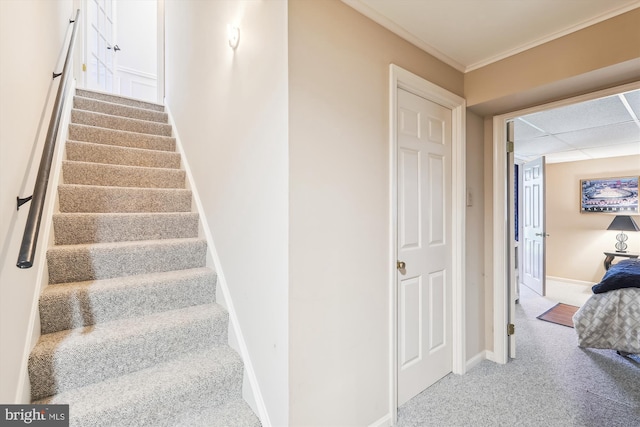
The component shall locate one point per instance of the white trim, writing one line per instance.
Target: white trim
(23, 390)
(500, 214)
(400, 78)
(400, 31)
(570, 281)
(160, 51)
(476, 360)
(397, 29)
(222, 285)
(382, 422)
(136, 72)
(550, 37)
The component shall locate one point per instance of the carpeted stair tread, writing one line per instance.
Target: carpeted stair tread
(98, 135)
(151, 397)
(80, 228)
(132, 333)
(111, 154)
(78, 263)
(235, 413)
(67, 359)
(92, 198)
(114, 109)
(114, 122)
(77, 304)
(118, 99)
(89, 173)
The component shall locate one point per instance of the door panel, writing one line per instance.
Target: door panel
(100, 52)
(424, 230)
(533, 226)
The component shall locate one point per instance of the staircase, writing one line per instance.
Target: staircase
(131, 332)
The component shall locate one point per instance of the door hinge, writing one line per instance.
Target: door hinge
(511, 329)
(84, 67)
(510, 147)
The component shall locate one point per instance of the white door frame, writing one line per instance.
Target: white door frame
(500, 213)
(400, 78)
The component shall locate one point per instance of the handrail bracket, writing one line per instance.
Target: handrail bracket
(22, 201)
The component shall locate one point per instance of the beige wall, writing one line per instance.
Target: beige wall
(474, 250)
(339, 209)
(31, 41)
(230, 109)
(515, 80)
(577, 240)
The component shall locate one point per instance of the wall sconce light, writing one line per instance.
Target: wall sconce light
(233, 33)
(622, 223)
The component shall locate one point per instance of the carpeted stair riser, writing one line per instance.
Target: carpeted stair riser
(88, 173)
(90, 198)
(120, 138)
(77, 263)
(113, 122)
(74, 305)
(65, 360)
(107, 97)
(97, 106)
(109, 154)
(80, 228)
(152, 397)
(233, 413)
(131, 333)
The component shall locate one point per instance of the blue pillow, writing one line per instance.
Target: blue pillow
(625, 274)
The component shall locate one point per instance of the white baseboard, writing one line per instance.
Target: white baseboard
(490, 355)
(382, 422)
(572, 281)
(475, 360)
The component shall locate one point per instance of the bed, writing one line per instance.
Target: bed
(610, 319)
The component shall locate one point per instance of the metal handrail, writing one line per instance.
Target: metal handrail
(30, 237)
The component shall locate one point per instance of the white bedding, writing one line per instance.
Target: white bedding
(610, 320)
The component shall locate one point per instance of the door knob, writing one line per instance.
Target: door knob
(401, 265)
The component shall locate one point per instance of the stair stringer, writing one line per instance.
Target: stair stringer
(45, 241)
(250, 387)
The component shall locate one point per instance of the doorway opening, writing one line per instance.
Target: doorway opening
(558, 115)
(123, 48)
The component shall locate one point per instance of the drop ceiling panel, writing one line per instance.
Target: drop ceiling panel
(591, 114)
(540, 146)
(523, 130)
(605, 135)
(614, 151)
(633, 98)
(566, 156)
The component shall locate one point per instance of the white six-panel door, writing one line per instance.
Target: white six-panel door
(424, 244)
(533, 226)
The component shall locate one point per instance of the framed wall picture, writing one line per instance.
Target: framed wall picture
(610, 195)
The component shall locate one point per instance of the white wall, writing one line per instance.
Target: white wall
(230, 109)
(31, 40)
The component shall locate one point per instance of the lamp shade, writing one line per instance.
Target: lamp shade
(623, 223)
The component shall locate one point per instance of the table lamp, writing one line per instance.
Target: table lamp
(622, 223)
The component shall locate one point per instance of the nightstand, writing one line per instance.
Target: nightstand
(610, 256)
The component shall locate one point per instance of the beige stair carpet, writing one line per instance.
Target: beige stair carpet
(131, 332)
